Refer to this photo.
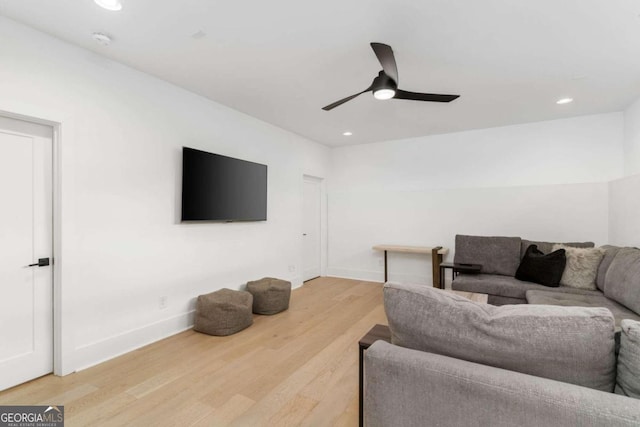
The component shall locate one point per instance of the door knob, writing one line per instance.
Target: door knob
(42, 262)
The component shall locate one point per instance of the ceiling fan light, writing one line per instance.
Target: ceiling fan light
(109, 4)
(384, 94)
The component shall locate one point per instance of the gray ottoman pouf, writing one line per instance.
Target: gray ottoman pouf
(270, 296)
(223, 312)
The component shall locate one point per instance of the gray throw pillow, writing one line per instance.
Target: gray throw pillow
(570, 344)
(582, 266)
(628, 380)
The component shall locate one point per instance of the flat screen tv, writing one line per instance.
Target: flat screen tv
(220, 188)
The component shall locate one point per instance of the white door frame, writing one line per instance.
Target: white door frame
(63, 346)
(323, 221)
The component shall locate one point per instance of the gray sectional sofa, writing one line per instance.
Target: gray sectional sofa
(454, 362)
(618, 276)
(553, 362)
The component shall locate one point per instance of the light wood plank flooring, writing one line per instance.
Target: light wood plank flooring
(299, 367)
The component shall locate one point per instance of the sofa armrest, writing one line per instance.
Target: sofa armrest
(405, 387)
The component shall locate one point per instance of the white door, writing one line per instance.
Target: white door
(311, 229)
(26, 293)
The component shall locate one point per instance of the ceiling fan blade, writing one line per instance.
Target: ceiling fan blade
(342, 101)
(433, 97)
(387, 59)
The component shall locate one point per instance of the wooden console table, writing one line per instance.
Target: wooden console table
(436, 257)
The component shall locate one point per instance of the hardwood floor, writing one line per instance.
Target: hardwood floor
(299, 367)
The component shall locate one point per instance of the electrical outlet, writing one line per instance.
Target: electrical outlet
(162, 303)
(292, 268)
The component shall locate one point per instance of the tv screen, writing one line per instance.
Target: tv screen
(220, 188)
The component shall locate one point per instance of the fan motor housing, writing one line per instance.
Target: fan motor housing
(383, 82)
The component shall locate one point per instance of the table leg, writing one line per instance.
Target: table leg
(361, 405)
(385, 266)
(436, 260)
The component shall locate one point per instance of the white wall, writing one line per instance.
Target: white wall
(576, 150)
(359, 220)
(123, 246)
(543, 181)
(624, 211)
(632, 139)
(624, 199)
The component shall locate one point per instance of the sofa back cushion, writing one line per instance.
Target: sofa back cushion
(571, 344)
(546, 247)
(628, 378)
(622, 281)
(497, 255)
(609, 255)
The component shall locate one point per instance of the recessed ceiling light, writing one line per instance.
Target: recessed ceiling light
(564, 101)
(109, 4)
(103, 39)
(347, 133)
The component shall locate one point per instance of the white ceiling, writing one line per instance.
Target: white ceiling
(282, 60)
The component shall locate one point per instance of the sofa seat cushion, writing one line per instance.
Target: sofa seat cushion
(571, 344)
(497, 255)
(506, 286)
(582, 300)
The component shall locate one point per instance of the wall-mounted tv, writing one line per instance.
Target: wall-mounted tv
(220, 188)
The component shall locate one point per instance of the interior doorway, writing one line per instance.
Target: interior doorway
(311, 229)
(26, 248)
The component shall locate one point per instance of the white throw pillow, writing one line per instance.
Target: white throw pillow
(582, 266)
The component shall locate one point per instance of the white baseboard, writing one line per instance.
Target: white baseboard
(346, 273)
(100, 351)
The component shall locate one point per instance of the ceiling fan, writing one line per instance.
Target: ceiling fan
(385, 86)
